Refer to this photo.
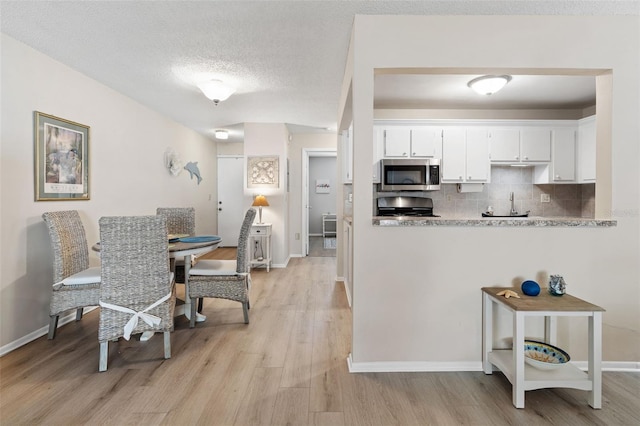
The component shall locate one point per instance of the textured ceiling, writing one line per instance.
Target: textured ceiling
(286, 58)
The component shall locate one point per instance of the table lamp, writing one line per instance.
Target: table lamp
(260, 201)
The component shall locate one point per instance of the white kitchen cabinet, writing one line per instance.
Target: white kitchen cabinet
(465, 155)
(426, 142)
(453, 165)
(563, 166)
(347, 155)
(412, 142)
(517, 145)
(397, 142)
(505, 145)
(587, 150)
(535, 144)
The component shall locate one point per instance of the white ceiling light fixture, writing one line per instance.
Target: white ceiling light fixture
(216, 90)
(222, 134)
(489, 84)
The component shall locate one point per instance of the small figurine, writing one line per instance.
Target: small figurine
(557, 286)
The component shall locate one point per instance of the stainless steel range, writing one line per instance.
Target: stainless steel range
(405, 206)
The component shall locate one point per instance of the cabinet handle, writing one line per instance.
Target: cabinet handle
(526, 158)
(459, 177)
(404, 154)
(413, 153)
(517, 158)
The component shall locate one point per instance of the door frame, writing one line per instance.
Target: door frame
(306, 154)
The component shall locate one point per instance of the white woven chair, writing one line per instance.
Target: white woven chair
(136, 281)
(224, 279)
(76, 285)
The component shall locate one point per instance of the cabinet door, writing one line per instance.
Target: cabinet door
(535, 145)
(347, 156)
(587, 151)
(426, 142)
(564, 155)
(397, 141)
(477, 156)
(504, 144)
(453, 155)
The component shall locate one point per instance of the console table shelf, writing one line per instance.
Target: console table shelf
(524, 377)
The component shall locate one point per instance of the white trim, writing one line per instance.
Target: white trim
(42, 331)
(346, 291)
(444, 366)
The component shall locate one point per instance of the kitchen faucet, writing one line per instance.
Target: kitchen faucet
(513, 208)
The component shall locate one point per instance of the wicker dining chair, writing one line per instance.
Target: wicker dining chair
(224, 279)
(180, 220)
(136, 280)
(76, 285)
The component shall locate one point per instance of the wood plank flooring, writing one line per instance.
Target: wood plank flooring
(287, 367)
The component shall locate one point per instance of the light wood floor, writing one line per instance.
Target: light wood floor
(287, 367)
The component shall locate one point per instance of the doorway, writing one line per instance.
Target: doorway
(319, 180)
(230, 198)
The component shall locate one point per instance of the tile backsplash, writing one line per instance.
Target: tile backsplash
(565, 200)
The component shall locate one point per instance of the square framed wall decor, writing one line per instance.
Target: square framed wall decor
(263, 172)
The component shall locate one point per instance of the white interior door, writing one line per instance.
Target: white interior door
(230, 199)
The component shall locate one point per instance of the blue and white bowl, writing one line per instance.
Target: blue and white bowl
(543, 355)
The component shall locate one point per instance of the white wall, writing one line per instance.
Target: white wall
(298, 143)
(269, 139)
(127, 173)
(424, 306)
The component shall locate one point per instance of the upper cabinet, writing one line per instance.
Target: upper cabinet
(465, 155)
(520, 145)
(587, 150)
(408, 142)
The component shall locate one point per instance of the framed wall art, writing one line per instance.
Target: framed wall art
(263, 172)
(61, 159)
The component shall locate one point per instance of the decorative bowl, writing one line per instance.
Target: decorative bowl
(530, 288)
(543, 355)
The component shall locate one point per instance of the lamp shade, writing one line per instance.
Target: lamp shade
(489, 84)
(260, 201)
(216, 90)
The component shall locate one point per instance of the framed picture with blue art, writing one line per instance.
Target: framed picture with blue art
(61, 159)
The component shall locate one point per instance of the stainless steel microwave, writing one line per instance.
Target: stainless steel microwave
(410, 174)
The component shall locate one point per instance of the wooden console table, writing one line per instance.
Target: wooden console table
(524, 377)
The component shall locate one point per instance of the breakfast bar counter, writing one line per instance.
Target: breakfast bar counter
(493, 222)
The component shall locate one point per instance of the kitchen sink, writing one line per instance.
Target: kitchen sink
(509, 215)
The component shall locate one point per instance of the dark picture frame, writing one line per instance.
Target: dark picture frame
(61, 159)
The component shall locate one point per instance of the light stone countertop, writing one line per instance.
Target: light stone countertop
(496, 222)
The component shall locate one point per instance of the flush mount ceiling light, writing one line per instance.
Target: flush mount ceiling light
(222, 134)
(489, 84)
(216, 90)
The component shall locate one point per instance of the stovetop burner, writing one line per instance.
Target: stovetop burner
(405, 206)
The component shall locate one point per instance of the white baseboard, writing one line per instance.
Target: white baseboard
(396, 367)
(42, 331)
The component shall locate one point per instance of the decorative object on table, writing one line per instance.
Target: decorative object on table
(263, 172)
(224, 279)
(192, 168)
(76, 285)
(138, 291)
(62, 159)
(557, 286)
(543, 355)
(323, 186)
(508, 293)
(172, 161)
(530, 288)
(260, 201)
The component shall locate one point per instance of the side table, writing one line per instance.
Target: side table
(260, 245)
(524, 377)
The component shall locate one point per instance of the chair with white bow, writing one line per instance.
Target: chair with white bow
(137, 293)
(76, 285)
(224, 279)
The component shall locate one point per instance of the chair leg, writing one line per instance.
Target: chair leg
(245, 311)
(53, 326)
(167, 344)
(200, 303)
(192, 320)
(104, 355)
(79, 314)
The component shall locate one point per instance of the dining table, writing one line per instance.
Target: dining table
(185, 247)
